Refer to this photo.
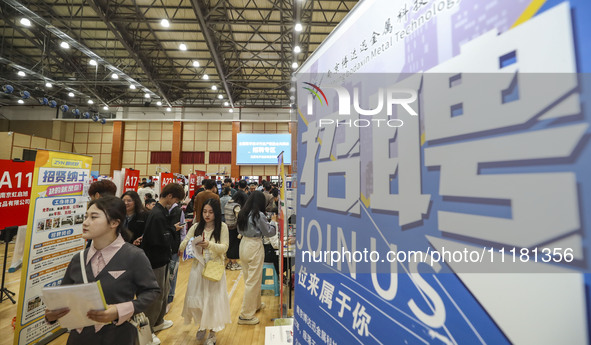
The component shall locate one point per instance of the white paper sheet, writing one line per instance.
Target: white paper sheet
(80, 298)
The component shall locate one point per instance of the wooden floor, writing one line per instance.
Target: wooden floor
(179, 333)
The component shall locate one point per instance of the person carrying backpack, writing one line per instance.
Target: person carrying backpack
(231, 210)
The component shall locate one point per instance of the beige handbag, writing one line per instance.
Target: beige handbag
(213, 271)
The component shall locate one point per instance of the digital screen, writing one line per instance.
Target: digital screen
(262, 148)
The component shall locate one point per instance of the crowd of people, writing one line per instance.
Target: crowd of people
(142, 235)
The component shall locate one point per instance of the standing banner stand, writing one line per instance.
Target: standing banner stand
(58, 201)
(131, 179)
(165, 178)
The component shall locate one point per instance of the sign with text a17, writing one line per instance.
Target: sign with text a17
(15, 192)
(132, 178)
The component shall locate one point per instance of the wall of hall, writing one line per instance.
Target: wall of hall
(12, 144)
(93, 139)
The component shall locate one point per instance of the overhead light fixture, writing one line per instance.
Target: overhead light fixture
(21, 73)
(48, 84)
(206, 77)
(298, 27)
(294, 78)
(297, 49)
(71, 94)
(115, 76)
(20, 101)
(169, 109)
(292, 98)
(220, 97)
(214, 88)
(25, 22)
(231, 110)
(294, 65)
(226, 104)
(132, 87)
(196, 63)
(165, 23)
(92, 62)
(158, 103)
(147, 95)
(106, 107)
(90, 101)
(182, 46)
(65, 45)
(292, 89)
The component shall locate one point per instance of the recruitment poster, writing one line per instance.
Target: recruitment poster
(444, 164)
(54, 235)
(15, 189)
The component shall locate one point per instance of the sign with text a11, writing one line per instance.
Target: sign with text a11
(15, 192)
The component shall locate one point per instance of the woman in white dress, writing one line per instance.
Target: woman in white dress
(206, 301)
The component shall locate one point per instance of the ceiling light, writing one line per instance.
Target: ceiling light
(132, 87)
(292, 89)
(48, 84)
(169, 109)
(92, 62)
(297, 49)
(90, 101)
(25, 22)
(294, 78)
(294, 65)
(21, 73)
(147, 95)
(158, 103)
(106, 107)
(206, 77)
(115, 76)
(71, 94)
(226, 104)
(231, 110)
(220, 97)
(20, 101)
(196, 63)
(165, 23)
(214, 88)
(292, 98)
(182, 46)
(65, 45)
(298, 27)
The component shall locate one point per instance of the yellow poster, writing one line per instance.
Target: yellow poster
(54, 234)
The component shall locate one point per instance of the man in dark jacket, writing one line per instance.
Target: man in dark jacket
(157, 243)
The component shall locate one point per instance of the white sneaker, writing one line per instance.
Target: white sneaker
(155, 340)
(164, 325)
(211, 340)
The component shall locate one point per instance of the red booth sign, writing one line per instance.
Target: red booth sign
(132, 179)
(15, 192)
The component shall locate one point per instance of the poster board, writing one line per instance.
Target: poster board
(58, 201)
(472, 167)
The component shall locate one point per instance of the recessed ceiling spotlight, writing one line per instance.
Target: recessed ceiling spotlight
(92, 62)
(182, 46)
(294, 65)
(115, 76)
(196, 63)
(90, 101)
(65, 45)
(231, 110)
(226, 104)
(20, 101)
(169, 109)
(297, 49)
(298, 27)
(48, 84)
(158, 103)
(214, 88)
(292, 98)
(71, 94)
(147, 95)
(292, 89)
(106, 107)
(21, 73)
(220, 97)
(206, 77)
(25, 22)
(132, 87)
(165, 23)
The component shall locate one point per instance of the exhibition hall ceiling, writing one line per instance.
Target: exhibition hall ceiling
(166, 53)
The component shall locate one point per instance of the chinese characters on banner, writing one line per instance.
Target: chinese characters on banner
(131, 180)
(15, 189)
(192, 184)
(54, 235)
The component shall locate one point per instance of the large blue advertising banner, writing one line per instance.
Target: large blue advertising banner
(444, 168)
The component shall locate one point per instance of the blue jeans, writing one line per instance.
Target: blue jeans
(174, 265)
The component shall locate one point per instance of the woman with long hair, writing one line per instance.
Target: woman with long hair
(253, 225)
(128, 292)
(135, 215)
(207, 302)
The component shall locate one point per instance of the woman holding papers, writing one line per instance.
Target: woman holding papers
(207, 301)
(124, 273)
